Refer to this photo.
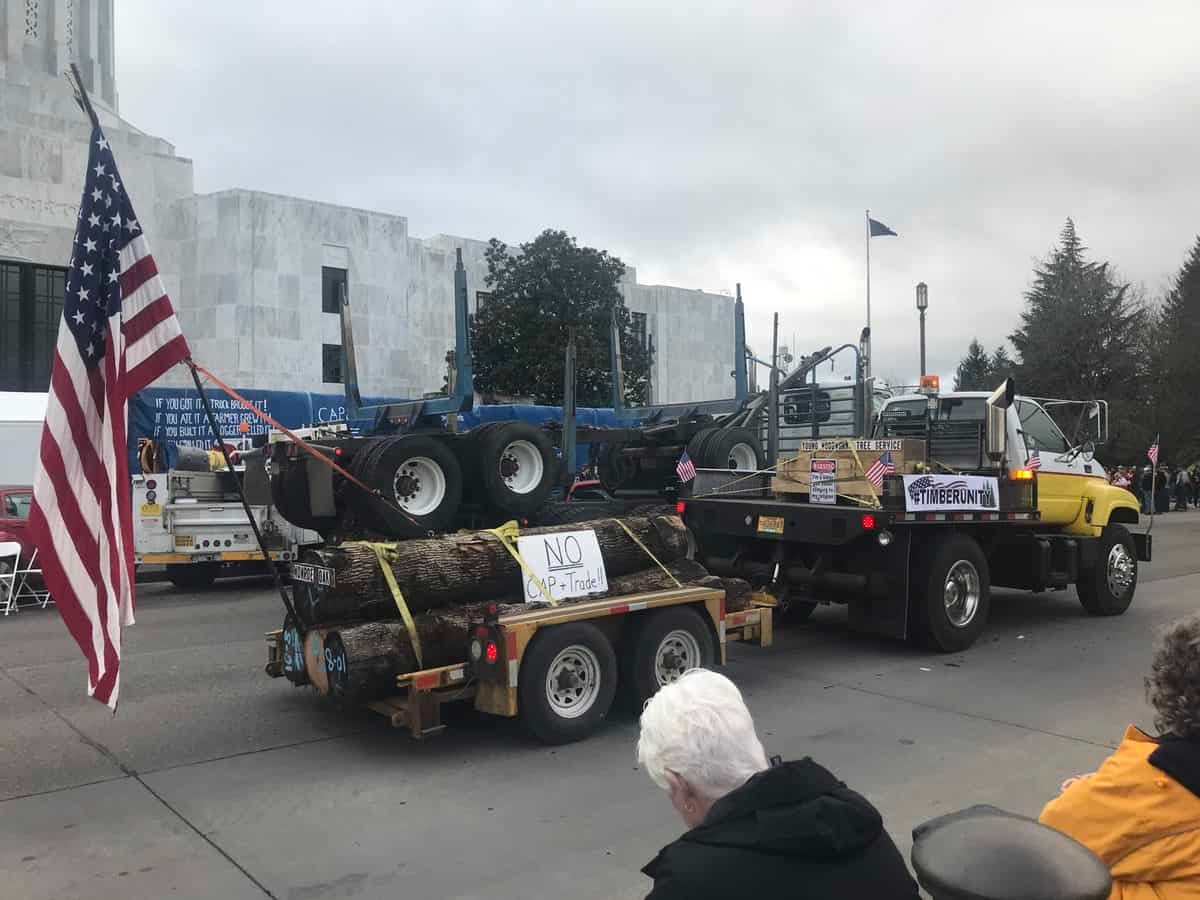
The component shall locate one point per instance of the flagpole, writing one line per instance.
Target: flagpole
(81, 96)
(1154, 484)
(867, 361)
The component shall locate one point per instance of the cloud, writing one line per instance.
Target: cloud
(709, 144)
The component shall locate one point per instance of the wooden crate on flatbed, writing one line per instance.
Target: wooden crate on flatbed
(849, 459)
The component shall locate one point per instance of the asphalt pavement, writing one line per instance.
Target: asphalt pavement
(215, 781)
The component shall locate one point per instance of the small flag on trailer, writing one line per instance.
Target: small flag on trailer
(883, 466)
(1152, 453)
(685, 468)
(1034, 461)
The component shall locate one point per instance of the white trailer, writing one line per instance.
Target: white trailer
(21, 417)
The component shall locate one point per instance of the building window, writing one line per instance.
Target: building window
(331, 363)
(639, 328)
(31, 299)
(481, 298)
(333, 282)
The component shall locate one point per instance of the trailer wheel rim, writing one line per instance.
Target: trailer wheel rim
(742, 458)
(419, 485)
(961, 593)
(678, 652)
(573, 682)
(521, 467)
(1120, 570)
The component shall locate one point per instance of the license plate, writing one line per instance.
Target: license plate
(149, 510)
(770, 524)
(321, 576)
(184, 540)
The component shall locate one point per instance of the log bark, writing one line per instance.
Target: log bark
(436, 573)
(361, 661)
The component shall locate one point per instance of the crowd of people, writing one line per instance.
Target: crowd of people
(766, 828)
(1170, 487)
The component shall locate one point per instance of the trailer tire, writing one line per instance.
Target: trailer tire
(950, 595)
(568, 681)
(516, 466)
(735, 449)
(695, 447)
(420, 475)
(192, 576)
(1107, 588)
(666, 643)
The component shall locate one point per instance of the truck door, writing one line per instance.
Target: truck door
(1060, 492)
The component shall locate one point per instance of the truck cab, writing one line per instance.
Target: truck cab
(1073, 492)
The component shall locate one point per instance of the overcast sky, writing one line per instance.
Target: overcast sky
(711, 143)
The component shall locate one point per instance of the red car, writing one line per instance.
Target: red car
(14, 520)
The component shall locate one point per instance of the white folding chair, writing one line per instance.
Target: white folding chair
(10, 561)
(25, 589)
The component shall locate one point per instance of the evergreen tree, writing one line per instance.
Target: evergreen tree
(538, 294)
(1178, 362)
(1080, 336)
(975, 369)
(1001, 365)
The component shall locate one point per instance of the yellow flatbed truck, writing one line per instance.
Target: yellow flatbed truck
(557, 668)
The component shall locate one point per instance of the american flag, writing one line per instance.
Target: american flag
(883, 466)
(1152, 453)
(1034, 461)
(684, 468)
(118, 333)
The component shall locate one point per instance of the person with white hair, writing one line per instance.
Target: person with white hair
(757, 828)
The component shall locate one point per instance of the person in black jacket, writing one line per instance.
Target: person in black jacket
(757, 830)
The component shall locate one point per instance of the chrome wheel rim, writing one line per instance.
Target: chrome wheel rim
(961, 593)
(678, 652)
(419, 485)
(1121, 570)
(573, 682)
(742, 458)
(521, 467)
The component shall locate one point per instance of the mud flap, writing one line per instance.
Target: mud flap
(883, 609)
(1144, 546)
(320, 489)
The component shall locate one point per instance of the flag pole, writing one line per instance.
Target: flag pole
(867, 362)
(81, 96)
(262, 544)
(1154, 485)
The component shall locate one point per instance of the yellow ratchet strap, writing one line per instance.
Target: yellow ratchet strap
(386, 554)
(507, 535)
(633, 537)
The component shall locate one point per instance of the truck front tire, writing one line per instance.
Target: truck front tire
(1107, 588)
(950, 595)
(567, 682)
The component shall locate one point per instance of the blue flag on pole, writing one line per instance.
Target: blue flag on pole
(878, 229)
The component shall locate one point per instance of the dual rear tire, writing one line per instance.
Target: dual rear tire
(569, 673)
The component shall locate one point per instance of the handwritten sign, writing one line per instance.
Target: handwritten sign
(568, 563)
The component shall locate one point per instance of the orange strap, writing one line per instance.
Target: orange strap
(296, 439)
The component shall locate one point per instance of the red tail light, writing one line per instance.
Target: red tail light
(492, 652)
(680, 507)
(151, 484)
(337, 451)
(868, 522)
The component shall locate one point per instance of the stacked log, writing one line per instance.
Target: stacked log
(351, 644)
(449, 571)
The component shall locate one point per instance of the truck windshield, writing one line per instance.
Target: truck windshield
(907, 417)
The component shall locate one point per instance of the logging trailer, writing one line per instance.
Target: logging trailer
(557, 668)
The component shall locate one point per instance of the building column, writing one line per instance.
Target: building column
(108, 70)
(58, 56)
(87, 36)
(14, 30)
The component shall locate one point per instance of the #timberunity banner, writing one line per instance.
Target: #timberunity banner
(933, 493)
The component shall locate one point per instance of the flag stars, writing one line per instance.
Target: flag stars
(78, 317)
(83, 295)
(102, 143)
(116, 185)
(116, 219)
(87, 269)
(89, 245)
(113, 277)
(133, 226)
(99, 170)
(93, 220)
(97, 194)
(91, 350)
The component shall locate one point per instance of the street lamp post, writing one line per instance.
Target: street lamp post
(922, 305)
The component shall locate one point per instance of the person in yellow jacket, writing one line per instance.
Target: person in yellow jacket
(1140, 812)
